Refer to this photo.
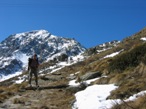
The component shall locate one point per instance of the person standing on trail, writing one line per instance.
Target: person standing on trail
(33, 65)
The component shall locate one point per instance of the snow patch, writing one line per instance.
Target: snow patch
(3, 78)
(113, 54)
(52, 37)
(20, 79)
(144, 39)
(5, 61)
(74, 83)
(22, 57)
(94, 97)
(135, 96)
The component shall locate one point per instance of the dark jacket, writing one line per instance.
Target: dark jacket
(33, 63)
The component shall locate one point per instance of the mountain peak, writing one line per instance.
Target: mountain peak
(32, 34)
(21, 46)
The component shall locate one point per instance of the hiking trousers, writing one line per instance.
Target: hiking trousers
(33, 71)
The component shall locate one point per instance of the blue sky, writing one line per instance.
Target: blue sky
(91, 22)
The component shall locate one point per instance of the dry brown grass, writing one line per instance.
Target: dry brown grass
(139, 103)
(103, 80)
(128, 86)
(96, 63)
(130, 81)
(8, 91)
(19, 101)
(118, 79)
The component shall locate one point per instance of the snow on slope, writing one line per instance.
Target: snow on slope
(113, 54)
(22, 57)
(94, 96)
(3, 77)
(144, 39)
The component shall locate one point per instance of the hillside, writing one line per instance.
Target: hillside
(114, 77)
(124, 66)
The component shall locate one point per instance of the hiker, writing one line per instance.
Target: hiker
(33, 65)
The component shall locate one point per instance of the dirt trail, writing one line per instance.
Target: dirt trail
(52, 94)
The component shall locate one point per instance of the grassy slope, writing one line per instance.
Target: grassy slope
(127, 70)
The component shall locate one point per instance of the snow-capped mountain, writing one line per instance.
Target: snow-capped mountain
(17, 48)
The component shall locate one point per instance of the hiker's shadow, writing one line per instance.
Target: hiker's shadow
(47, 87)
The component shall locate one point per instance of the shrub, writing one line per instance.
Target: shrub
(130, 58)
(144, 59)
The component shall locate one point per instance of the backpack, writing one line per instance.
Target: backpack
(29, 62)
(32, 63)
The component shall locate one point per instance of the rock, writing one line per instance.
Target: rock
(63, 57)
(74, 89)
(90, 75)
(28, 103)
